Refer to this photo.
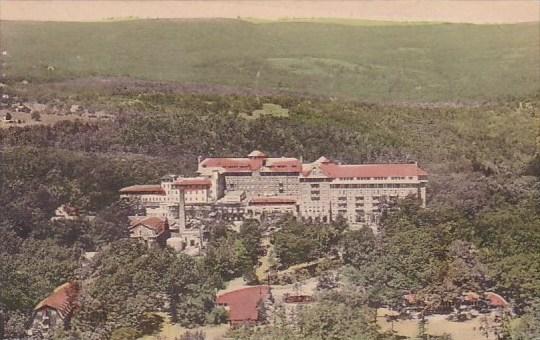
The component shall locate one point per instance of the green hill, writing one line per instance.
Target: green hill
(416, 62)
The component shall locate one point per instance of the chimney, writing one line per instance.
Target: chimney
(181, 210)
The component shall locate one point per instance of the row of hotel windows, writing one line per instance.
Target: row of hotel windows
(372, 178)
(380, 185)
(250, 174)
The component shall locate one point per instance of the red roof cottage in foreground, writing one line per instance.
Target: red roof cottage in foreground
(57, 309)
(244, 305)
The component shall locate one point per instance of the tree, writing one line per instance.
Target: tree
(127, 282)
(250, 235)
(359, 247)
(195, 335)
(465, 272)
(422, 328)
(526, 327)
(335, 321)
(36, 116)
(296, 242)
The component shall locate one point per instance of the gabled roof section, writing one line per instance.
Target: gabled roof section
(322, 160)
(64, 299)
(146, 189)
(257, 154)
(496, 300)
(186, 181)
(232, 164)
(313, 170)
(282, 164)
(158, 224)
(243, 302)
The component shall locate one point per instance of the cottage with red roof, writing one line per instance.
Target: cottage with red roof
(163, 207)
(246, 306)
(153, 231)
(56, 310)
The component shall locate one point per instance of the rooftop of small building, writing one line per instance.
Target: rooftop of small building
(143, 188)
(63, 299)
(243, 303)
(158, 224)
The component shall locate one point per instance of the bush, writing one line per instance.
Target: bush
(196, 335)
(125, 333)
(217, 316)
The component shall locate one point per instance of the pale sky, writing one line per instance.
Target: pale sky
(472, 11)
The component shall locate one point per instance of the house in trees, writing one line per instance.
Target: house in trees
(246, 306)
(170, 200)
(153, 231)
(66, 212)
(56, 310)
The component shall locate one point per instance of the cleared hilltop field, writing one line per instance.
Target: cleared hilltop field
(382, 61)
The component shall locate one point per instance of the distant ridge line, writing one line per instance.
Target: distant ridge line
(471, 11)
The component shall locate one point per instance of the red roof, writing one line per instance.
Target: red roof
(283, 165)
(143, 189)
(63, 299)
(371, 170)
(193, 181)
(155, 223)
(273, 200)
(496, 300)
(243, 302)
(254, 164)
(233, 164)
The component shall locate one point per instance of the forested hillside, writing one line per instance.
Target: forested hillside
(483, 202)
(128, 102)
(370, 62)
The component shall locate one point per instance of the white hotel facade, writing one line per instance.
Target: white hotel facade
(248, 187)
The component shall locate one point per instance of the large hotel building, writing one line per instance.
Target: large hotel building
(238, 188)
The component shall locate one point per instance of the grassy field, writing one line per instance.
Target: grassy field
(389, 62)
